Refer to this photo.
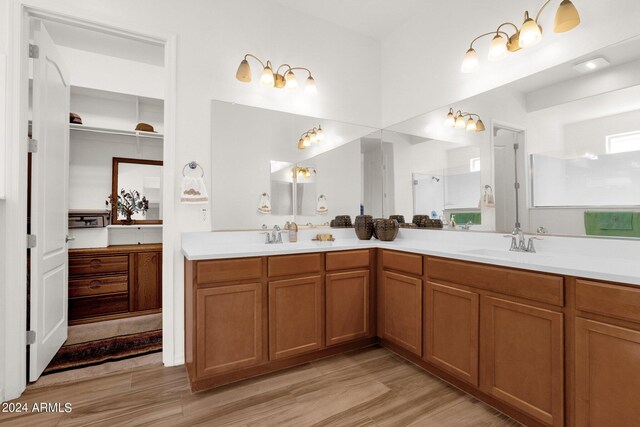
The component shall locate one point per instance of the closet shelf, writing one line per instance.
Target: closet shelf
(107, 131)
(117, 226)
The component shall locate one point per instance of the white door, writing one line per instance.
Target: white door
(49, 202)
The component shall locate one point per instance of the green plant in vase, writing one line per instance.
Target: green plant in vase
(129, 203)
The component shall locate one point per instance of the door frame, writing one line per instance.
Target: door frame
(14, 305)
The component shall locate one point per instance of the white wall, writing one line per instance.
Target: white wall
(4, 320)
(421, 60)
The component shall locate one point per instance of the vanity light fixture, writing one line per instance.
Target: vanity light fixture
(312, 136)
(529, 34)
(303, 172)
(462, 120)
(283, 76)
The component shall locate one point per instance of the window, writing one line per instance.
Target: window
(623, 142)
(474, 164)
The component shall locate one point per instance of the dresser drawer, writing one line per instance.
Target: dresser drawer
(287, 265)
(81, 308)
(620, 302)
(347, 260)
(228, 270)
(81, 266)
(98, 285)
(401, 261)
(541, 287)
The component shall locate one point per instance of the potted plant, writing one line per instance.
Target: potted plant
(128, 204)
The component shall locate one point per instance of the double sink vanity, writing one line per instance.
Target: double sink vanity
(549, 338)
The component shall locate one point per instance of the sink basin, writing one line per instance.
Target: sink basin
(506, 255)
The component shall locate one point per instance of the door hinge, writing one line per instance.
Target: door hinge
(516, 185)
(34, 51)
(33, 146)
(415, 182)
(31, 241)
(31, 337)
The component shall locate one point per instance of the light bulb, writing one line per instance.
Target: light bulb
(307, 141)
(470, 63)
(498, 49)
(450, 121)
(530, 33)
(292, 82)
(310, 86)
(320, 133)
(460, 123)
(471, 125)
(266, 78)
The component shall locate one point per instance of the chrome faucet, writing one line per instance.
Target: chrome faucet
(519, 242)
(466, 226)
(274, 236)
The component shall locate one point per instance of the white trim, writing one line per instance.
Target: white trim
(15, 308)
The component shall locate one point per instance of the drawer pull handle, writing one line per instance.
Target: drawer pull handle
(95, 263)
(95, 284)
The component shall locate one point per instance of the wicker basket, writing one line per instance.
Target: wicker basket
(343, 221)
(421, 220)
(364, 227)
(408, 225)
(387, 229)
(399, 218)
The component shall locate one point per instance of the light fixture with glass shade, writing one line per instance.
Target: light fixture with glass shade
(281, 78)
(310, 137)
(529, 34)
(461, 120)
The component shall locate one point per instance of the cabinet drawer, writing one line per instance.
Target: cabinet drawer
(98, 285)
(287, 265)
(615, 301)
(541, 287)
(401, 261)
(228, 270)
(99, 264)
(347, 260)
(80, 308)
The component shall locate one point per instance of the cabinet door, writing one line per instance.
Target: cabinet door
(402, 311)
(347, 306)
(522, 357)
(146, 288)
(451, 330)
(607, 374)
(229, 328)
(295, 316)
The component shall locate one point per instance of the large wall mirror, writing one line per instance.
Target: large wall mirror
(262, 177)
(136, 192)
(560, 153)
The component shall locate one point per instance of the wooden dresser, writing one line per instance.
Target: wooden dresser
(113, 282)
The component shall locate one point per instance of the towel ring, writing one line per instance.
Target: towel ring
(193, 166)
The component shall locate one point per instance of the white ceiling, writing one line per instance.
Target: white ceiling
(373, 18)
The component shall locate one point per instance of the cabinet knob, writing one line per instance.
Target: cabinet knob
(95, 284)
(95, 263)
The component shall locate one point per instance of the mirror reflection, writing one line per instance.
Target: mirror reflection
(137, 188)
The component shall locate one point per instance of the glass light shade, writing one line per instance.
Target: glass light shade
(498, 48)
(530, 33)
(480, 126)
(244, 72)
(310, 86)
(320, 133)
(471, 125)
(567, 17)
(279, 81)
(450, 121)
(470, 63)
(291, 80)
(300, 144)
(306, 141)
(266, 78)
(314, 137)
(460, 123)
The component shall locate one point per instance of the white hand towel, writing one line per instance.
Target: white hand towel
(193, 191)
(264, 206)
(322, 207)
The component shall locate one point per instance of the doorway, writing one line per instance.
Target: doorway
(114, 278)
(509, 174)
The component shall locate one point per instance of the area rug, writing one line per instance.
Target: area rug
(93, 353)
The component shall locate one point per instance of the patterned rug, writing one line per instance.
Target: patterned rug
(107, 350)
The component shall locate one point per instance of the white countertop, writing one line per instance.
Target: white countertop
(600, 259)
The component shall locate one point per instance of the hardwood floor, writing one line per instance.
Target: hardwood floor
(370, 387)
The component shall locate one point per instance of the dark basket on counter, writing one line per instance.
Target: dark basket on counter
(364, 227)
(399, 218)
(386, 229)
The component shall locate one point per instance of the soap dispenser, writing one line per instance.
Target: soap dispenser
(452, 223)
(293, 232)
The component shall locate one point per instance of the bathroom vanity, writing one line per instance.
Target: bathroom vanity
(526, 335)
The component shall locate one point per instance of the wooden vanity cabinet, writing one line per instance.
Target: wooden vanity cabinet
(114, 282)
(607, 354)
(400, 300)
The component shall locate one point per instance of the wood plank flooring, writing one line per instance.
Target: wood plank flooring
(369, 387)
